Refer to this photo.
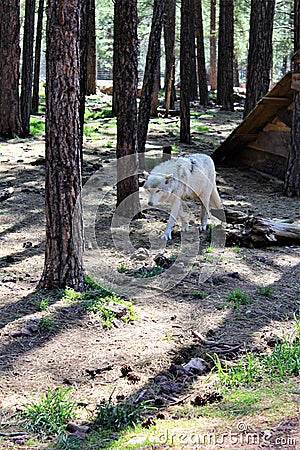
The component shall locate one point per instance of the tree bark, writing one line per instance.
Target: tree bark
(202, 76)
(37, 58)
(225, 56)
(260, 52)
(213, 46)
(10, 122)
(185, 64)
(292, 178)
(152, 62)
(27, 66)
(193, 65)
(91, 51)
(169, 40)
(125, 92)
(64, 228)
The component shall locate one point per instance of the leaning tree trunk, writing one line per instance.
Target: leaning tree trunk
(10, 123)
(64, 229)
(292, 178)
(260, 52)
(125, 91)
(37, 58)
(169, 39)
(202, 76)
(185, 64)
(152, 62)
(27, 66)
(225, 56)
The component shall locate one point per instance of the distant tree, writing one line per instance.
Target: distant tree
(213, 46)
(260, 52)
(37, 58)
(64, 231)
(10, 122)
(292, 178)
(27, 65)
(169, 40)
(185, 65)
(225, 56)
(125, 92)
(91, 50)
(152, 63)
(202, 76)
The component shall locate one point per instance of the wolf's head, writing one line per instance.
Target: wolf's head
(159, 187)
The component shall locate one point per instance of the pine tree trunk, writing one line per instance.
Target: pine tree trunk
(213, 46)
(202, 76)
(260, 52)
(225, 56)
(10, 122)
(27, 66)
(169, 39)
(125, 91)
(292, 178)
(193, 65)
(152, 62)
(64, 229)
(185, 64)
(37, 59)
(91, 51)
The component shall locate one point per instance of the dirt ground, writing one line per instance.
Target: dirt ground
(31, 360)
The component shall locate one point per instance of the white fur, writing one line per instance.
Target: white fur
(190, 176)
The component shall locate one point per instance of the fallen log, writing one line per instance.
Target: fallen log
(249, 231)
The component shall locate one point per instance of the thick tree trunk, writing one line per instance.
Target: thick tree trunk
(152, 62)
(27, 66)
(169, 39)
(185, 64)
(37, 58)
(193, 65)
(213, 46)
(202, 76)
(260, 52)
(64, 229)
(292, 178)
(91, 51)
(225, 56)
(125, 92)
(10, 122)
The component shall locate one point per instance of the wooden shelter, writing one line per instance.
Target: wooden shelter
(263, 139)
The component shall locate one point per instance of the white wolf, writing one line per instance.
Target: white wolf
(191, 176)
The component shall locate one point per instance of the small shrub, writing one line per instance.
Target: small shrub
(199, 294)
(116, 417)
(265, 291)
(52, 412)
(43, 304)
(238, 298)
(45, 324)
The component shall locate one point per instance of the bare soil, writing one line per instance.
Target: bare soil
(33, 360)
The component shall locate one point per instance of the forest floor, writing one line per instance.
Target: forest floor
(74, 350)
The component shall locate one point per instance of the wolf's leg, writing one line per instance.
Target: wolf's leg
(172, 219)
(203, 217)
(183, 219)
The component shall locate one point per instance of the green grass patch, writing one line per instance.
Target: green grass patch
(95, 115)
(51, 412)
(237, 297)
(37, 126)
(100, 301)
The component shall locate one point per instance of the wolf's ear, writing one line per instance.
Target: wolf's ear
(168, 178)
(146, 174)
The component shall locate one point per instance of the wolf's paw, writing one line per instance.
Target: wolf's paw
(185, 228)
(167, 235)
(202, 227)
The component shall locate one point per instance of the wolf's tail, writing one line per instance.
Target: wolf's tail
(215, 200)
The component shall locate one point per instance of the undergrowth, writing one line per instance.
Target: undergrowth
(283, 361)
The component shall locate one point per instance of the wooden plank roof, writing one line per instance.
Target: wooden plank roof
(263, 113)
